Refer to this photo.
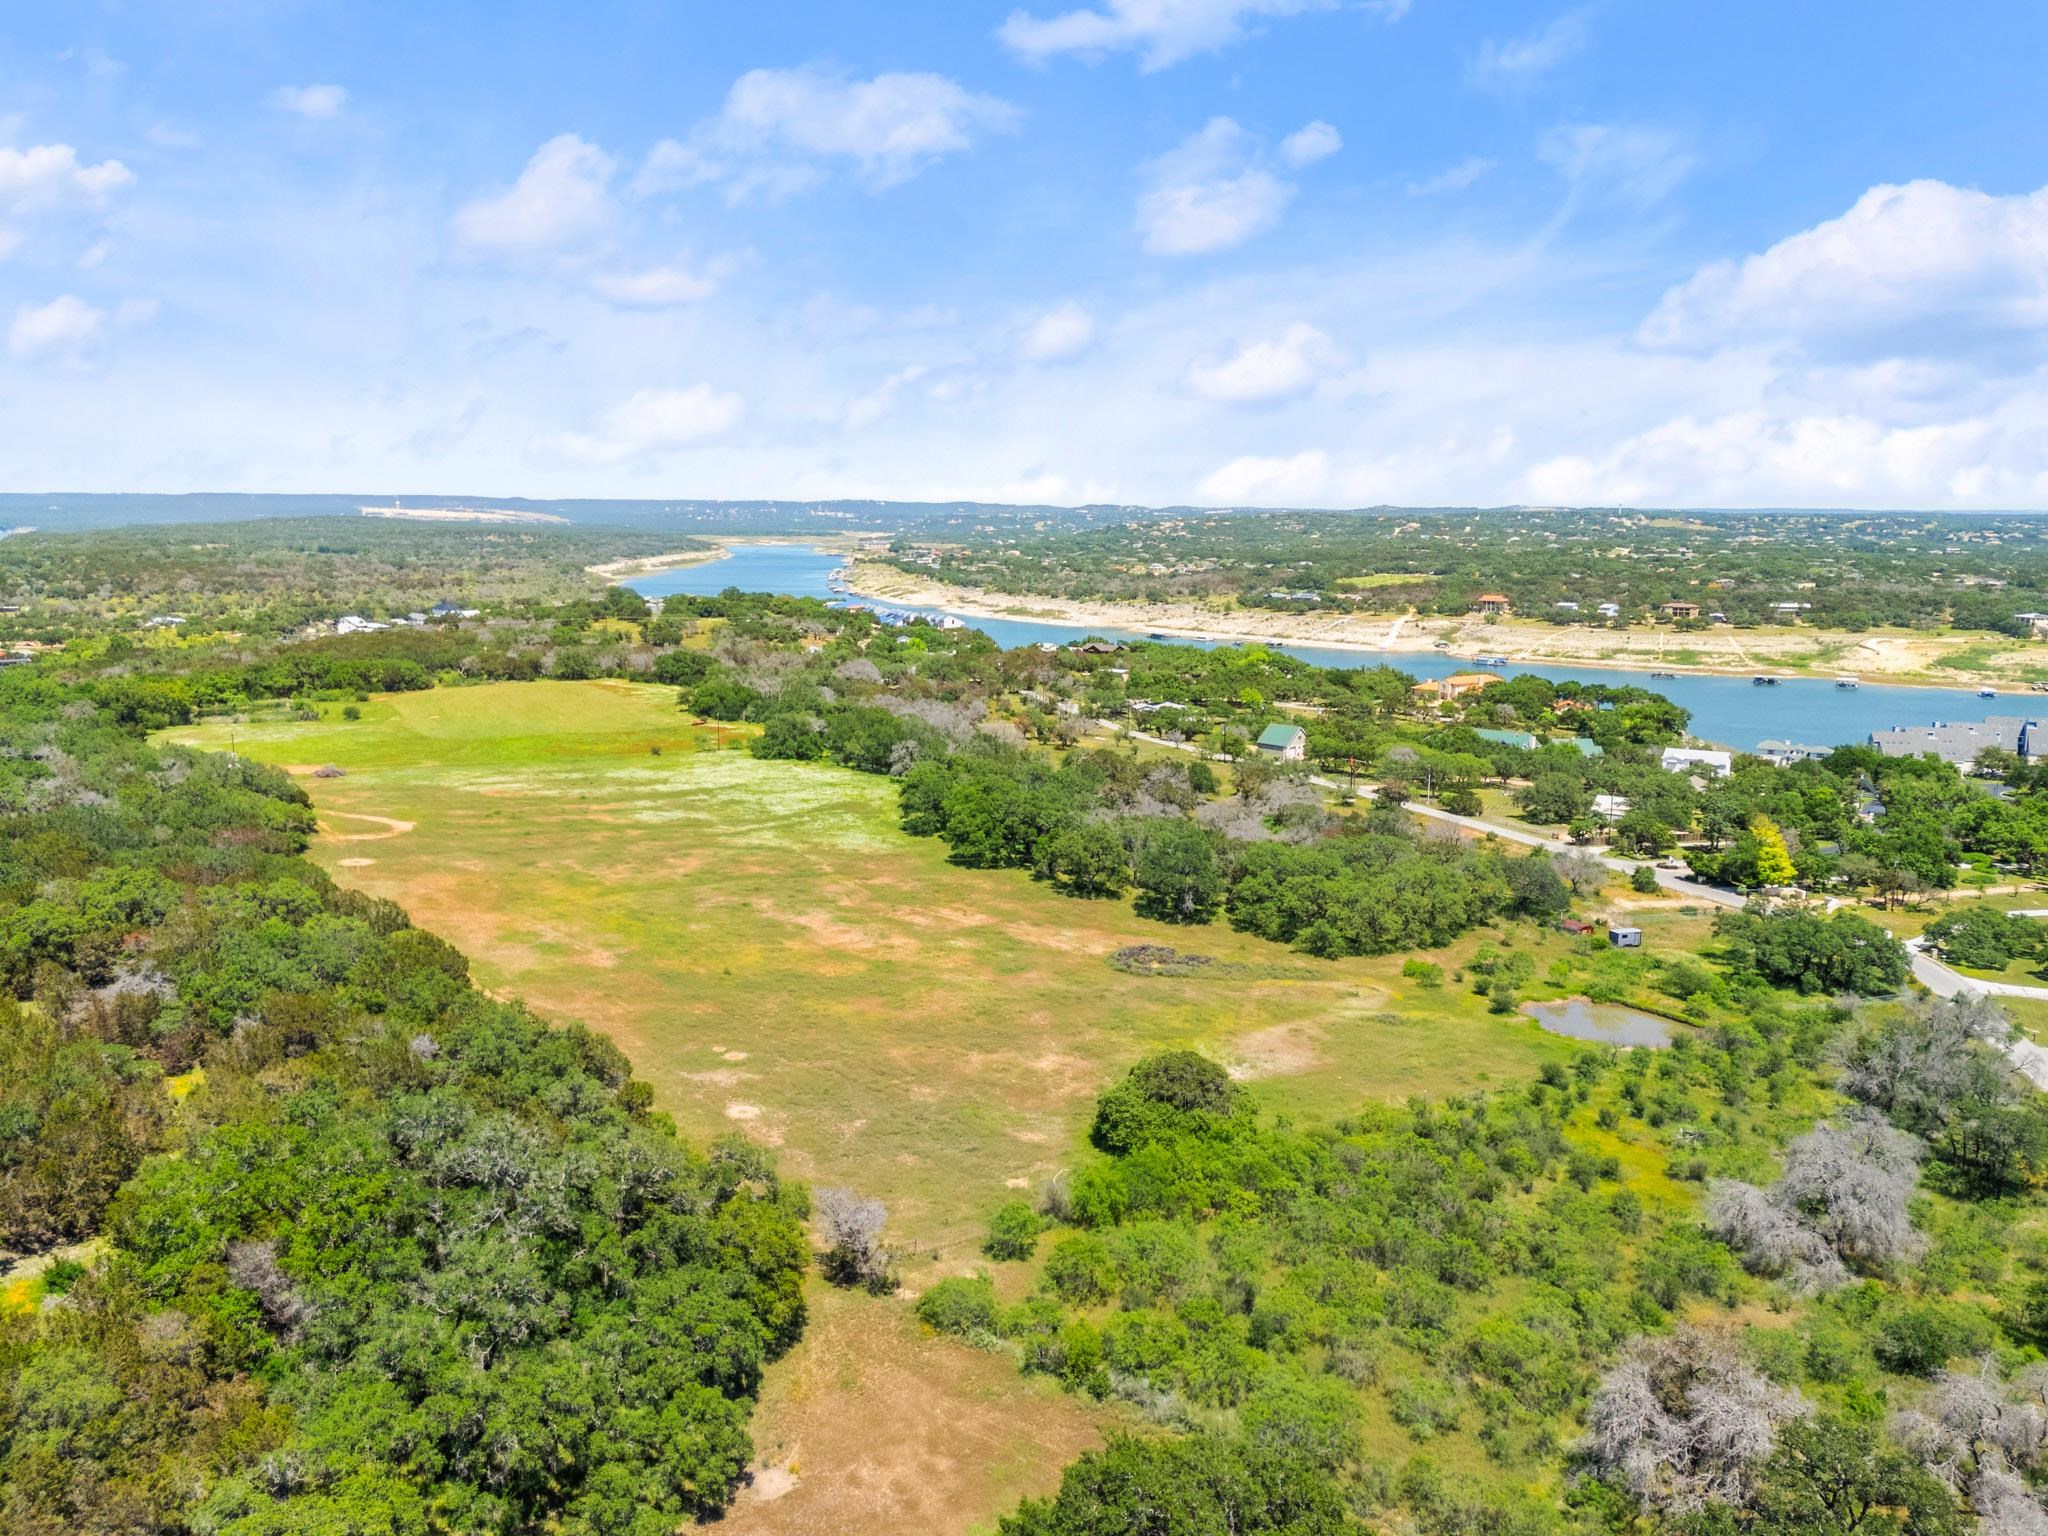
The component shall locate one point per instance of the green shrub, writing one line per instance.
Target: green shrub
(1919, 1338)
(1423, 973)
(1013, 1233)
(962, 1305)
(1078, 1270)
(1424, 1406)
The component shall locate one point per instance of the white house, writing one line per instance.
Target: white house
(356, 624)
(1610, 807)
(1289, 743)
(1686, 759)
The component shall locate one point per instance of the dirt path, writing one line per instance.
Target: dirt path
(392, 826)
(873, 1427)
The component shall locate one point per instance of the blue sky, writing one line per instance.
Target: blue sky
(1302, 252)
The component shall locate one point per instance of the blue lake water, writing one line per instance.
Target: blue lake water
(1729, 710)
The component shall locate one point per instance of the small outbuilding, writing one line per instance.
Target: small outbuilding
(1624, 938)
(1289, 743)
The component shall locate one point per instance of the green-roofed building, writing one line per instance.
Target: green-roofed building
(1526, 740)
(1289, 743)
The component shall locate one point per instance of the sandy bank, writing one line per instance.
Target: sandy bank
(1892, 656)
(618, 570)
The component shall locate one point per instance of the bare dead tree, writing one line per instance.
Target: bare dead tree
(1771, 1240)
(1584, 872)
(1977, 1433)
(854, 1254)
(1919, 1067)
(1685, 1420)
(1853, 1181)
(1844, 1198)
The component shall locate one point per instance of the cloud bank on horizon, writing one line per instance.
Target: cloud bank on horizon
(1279, 252)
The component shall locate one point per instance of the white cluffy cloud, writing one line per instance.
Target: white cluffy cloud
(1208, 193)
(661, 287)
(560, 199)
(779, 130)
(1256, 481)
(1520, 60)
(52, 176)
(1269, 370)
(1311, 142)
(61, 326)
(648, 422)
(1838, 459)
(68, 328)
(310, 100)
(1162, 32)
(1921, 270)
(1060, 332)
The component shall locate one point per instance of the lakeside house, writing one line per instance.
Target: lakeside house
(1683, 759)
(1962, 741)
(1288, 743)
(1680, 610)
(1783, 754)
(1492, 603)
(1456, 686)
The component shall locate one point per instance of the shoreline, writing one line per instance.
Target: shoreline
(616, 571)
(1409, 635)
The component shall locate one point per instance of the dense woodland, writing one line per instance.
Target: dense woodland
(379, 1254)
(1854, 570)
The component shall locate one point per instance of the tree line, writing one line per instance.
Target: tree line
(379, 1253)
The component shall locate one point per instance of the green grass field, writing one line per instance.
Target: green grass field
(776, 956)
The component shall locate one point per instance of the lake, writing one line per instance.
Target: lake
(1730, 711)
(1601, 1023)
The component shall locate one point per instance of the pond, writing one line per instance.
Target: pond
(1601, 1023)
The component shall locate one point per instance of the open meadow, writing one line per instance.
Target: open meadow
(776, 956)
